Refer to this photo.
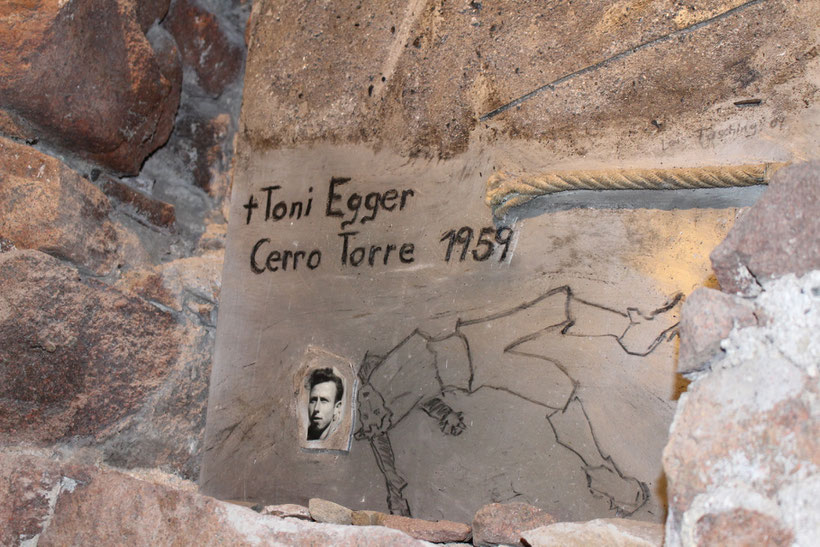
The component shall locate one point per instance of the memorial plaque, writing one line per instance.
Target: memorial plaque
(461, 359)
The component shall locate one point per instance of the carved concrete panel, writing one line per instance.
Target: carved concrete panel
(463, 359)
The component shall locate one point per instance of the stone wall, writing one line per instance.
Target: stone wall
(118, 124)
(743, 460)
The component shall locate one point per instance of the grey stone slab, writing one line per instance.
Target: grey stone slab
(531, 361)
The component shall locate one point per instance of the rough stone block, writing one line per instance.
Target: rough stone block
(442, 531)
(77, 356)
(54, 503)
(45, 205)
(83, 77)
(366, 518)
(740, 527)
(600, 532)
(169, 61)
(329, 512)
(707, 317)
(779, 235)
(151, 11)
(200, 143)
(287, 510)
(156, 212)
(498, 523)
(746, 436)
(167, 432)
(205, 47)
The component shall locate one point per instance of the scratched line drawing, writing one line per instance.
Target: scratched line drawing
(478, 355)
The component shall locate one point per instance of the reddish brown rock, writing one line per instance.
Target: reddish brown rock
(165, 427)
(779, 235)
(741, 527)
(203, 145)
(745, 440)
(169, 61)
(57, 503)
(84, 78)
(148, 284)
(504, 522)
(45, 205)
(12, 126)
(77, 356)
(441, 531)
(154, 211)
(168, 430)
(151, 11)
(597, 533)
(30, 485)
(205, 47)
(707, 317)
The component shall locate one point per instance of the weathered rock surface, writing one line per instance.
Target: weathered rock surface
(743, 458)
(77, 356)
(597, 533)
(82, 76)
(150, 12)
(202, 144)
(366, 518)
(191, 283)
(146, 208)
(167, 431)
(780, 235)
(213, 239)
(97, 381)
(741, 527)
(45, 205)
(65, 504)
(329, 512)
(206, 48)
(418, 77)
(498, 523)
(707, 317)
(287, 510)
(169, 61)
(442, 531)
(6, 245)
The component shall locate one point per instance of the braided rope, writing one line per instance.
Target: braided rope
(505, 191)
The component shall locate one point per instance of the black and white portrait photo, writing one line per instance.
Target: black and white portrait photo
(324, 406)
(324, 403)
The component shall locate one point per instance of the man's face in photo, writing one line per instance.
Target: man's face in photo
(322, 405)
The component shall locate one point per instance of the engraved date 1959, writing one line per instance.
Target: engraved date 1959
(481, 244)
